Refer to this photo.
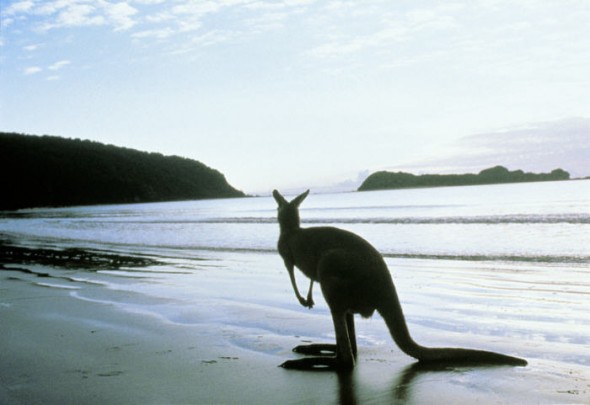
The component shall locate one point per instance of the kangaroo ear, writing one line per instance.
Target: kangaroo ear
(279, 198)
(299, 199)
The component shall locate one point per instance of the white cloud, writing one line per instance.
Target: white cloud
(51, 7)
(385, 28)
(355, 44)
(58, 65)
(148, 2)
(213, 37)
(31, 48)
(535, 147)
(120, 14)
(519, 42)
(78, 13)
(272, 5)
(31, 70)
(156, 33)
(20, 7)
(214, 21)
(158, 18)
(196, 8)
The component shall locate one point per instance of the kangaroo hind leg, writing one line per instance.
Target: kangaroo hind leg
(335, 289)
(337, 280)
(322, 349)
(344, 358)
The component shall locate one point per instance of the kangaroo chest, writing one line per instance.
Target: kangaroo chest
(298, 252)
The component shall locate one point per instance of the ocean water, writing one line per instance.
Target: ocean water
(506, 266)
(536, 222)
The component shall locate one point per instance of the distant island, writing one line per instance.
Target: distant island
(495, 175)
(50, 171)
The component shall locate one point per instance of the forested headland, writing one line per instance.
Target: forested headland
(495, 175)
(50, 171)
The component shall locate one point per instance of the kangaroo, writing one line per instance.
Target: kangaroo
(354, 279)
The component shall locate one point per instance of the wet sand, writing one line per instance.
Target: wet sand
(115, 337)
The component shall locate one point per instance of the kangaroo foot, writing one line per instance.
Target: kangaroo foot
(316, 349)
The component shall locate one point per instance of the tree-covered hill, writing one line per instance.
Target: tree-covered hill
(494, 175)
(40, 171)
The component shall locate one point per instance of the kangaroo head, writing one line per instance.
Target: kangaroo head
(288, 212)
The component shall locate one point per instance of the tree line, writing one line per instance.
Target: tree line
(38, 171)
(393, 180)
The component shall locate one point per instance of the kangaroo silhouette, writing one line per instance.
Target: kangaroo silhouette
(354, 280)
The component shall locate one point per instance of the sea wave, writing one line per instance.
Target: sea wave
(142, 254)
(493, 258)
(566, 259)
(578, 219)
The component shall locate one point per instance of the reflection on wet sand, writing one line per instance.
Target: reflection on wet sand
(403, 383)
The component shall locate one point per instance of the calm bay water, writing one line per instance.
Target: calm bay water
(538, 222)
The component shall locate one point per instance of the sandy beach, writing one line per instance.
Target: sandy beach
(133, 336)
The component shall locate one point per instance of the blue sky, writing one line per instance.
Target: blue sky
(288, 94)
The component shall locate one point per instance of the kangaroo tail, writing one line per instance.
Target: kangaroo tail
(392, 313)
(459, 355)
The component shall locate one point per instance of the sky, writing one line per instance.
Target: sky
(300, 93)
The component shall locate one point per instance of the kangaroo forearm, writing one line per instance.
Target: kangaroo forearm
(310, 291)
(294, 285)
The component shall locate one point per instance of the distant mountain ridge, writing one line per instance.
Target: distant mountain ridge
(38, 171)
(495, 175)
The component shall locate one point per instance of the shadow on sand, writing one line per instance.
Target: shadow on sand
(403, 384)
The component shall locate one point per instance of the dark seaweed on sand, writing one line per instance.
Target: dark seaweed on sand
(70, 258)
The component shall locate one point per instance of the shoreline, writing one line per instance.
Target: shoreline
(115, 336)
(266, 194)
